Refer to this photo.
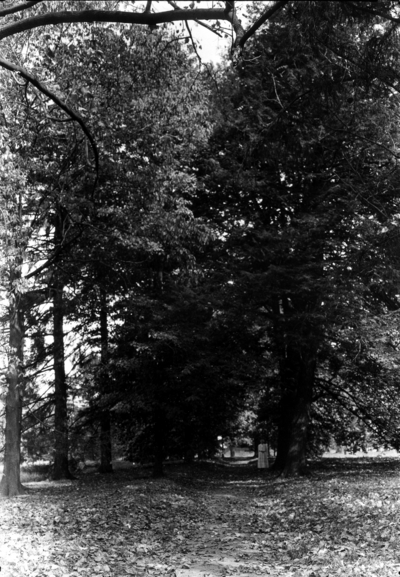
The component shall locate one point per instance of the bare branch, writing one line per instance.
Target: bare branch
(148, 7)
(192, 41)
(230, 15)
(53, 258)
(114, 16)
(241, 41)
(359, 411)
(19, 7)
(71, 113)
(145, 18)
(384, 15)
(176, 7)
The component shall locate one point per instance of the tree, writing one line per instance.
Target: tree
(60, 466)
(139, 224)
(304, 199)
(15, 236)
(147, 17)
(25, 22)
(18, 21)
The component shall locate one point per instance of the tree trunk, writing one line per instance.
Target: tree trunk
(10, 484)
(158, 440)
(296, 458)
(105, 420)
(284, 429)
(288, 370)
(60, 465)
(105, 443)
(295, 463)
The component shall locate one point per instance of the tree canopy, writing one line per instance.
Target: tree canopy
(190, 251)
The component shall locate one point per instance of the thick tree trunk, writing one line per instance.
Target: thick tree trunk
(10, 484)
(284, 430)
(105, 420)
(60, 465)
(105, 443)
(295, 463)
(158, 440)
(288, 370)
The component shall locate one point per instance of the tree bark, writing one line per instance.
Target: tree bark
(10, 484)
(149, 19)
(105, 419)
(60, 465)
(288, 376)
(158, 440)
(284, 428)
(297, 366)
(105, 443)
(296, 463)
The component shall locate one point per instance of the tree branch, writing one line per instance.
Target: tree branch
(193, 42)
(144, 18)
(361, 414)
(176, 7)
(241, 41)
(360, 8)
(71, 113)
(149, 19)
(19, 7)
(52, 259)
(230, 13)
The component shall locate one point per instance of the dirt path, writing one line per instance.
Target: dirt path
(206, 522)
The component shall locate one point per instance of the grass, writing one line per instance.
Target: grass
(34, 472)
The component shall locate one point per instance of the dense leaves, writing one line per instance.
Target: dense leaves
(303, 176)
(221, 245)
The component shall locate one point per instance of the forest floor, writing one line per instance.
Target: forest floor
(208, 520)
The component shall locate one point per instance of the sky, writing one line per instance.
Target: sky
(211, 47)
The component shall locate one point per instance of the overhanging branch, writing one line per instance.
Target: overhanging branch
(145, 18)
(18, 7)
(53, 258)
(358, 410)
(240, 42)
(361, 8)
(176, 7)
(149, 19)
(231, 16)
(71, 113)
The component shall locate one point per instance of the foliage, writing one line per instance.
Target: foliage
(173, 361)
(303, 174)
(243, 274)
(141, 209)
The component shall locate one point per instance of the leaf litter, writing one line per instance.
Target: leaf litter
(204, 521)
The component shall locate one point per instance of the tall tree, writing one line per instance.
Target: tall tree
(61, 448)
(23, 17)
(139, 217)
(311, 142)
(17, 209)
(105, 416)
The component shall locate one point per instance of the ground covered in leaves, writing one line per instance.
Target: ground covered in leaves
(208, 520)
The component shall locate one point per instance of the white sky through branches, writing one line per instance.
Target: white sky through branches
(211, 47)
